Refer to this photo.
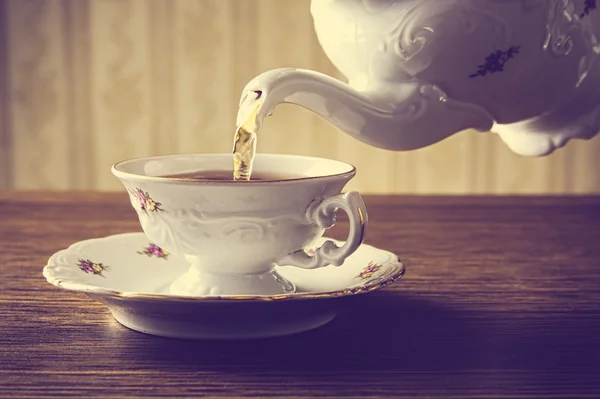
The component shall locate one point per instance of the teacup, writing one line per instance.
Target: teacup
(233, 233)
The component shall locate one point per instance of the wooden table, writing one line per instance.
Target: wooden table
(501, 300)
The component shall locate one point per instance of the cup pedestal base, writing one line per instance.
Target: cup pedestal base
(197, 282)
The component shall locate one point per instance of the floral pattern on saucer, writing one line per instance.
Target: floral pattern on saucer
(146, 203)
(92, 268)
(136, 289)
(123, 255)
(369, 271)
(154, 250)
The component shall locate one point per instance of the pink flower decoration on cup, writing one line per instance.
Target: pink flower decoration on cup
(147, 204)
(141, 198)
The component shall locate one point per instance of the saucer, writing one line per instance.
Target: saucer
(131, 276)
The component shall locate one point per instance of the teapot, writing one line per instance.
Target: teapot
(419, 71)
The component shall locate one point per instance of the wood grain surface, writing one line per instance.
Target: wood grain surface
(501, 300)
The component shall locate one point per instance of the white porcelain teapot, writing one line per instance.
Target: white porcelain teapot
(422, 70)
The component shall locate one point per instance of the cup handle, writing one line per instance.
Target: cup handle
(323, 214)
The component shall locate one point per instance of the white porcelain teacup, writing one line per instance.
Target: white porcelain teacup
(233, 233)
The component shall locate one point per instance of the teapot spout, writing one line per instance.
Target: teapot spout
(398, 116)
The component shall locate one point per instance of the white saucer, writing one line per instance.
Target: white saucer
(132, 276)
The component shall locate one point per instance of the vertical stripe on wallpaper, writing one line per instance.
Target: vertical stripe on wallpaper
(449, 163)
(286, 43)
(5, 139)
(120, 85)
(204, 60)
(480, 161)
(77, 66)
(586, 169)
(38, 82)
(163, 108)
(245, 63)
(513, 172)
(560, 170)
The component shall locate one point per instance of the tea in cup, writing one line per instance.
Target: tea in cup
(234, 233)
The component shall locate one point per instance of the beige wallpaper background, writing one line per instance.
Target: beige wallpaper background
(86, 83)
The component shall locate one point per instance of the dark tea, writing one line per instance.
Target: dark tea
(227, 175)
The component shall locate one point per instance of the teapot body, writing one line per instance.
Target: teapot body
(517, 59)
(420, 71)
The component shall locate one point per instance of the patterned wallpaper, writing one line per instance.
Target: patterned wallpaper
(86, 83)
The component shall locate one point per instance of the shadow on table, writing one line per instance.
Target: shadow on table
(378, 331)
(384, 343)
